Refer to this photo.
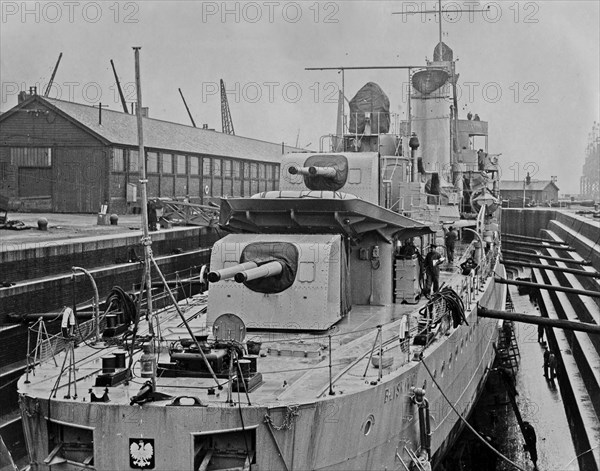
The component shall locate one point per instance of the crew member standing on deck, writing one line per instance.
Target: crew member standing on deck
(432, 270)
(451, 238)
(546, 361)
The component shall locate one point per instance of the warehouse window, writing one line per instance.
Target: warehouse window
(216, 168)
(167, 163)
(236, 169)
(152, 162)
(181, 167)
(31, 156)
(227, 168)
(118, 160)
(194, 165)
(206, 166)
(3, 171)
(134, 160)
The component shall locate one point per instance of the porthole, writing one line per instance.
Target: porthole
(442, 369)
(456, 351)
(449, 360)
(462, 344)
(368, 425)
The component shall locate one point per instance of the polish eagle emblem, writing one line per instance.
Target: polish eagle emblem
(141, 453)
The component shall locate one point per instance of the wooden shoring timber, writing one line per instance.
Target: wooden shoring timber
(583, 292)
(573, 271)
(539, 320)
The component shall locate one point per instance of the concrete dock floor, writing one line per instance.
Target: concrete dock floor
(540, 403)
(63, 226)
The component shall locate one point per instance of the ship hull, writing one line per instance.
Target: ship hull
(369, 429)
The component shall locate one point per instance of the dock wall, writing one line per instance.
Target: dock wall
(582, 233)
(20, 262)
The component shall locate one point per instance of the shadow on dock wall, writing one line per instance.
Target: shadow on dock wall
(526, 222)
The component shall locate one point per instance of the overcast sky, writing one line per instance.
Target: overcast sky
(531, 69)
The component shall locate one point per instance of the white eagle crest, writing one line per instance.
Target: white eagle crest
(141, 453)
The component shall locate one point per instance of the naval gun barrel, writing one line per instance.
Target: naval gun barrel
(230, 272)
(328, 172)
(264, 271)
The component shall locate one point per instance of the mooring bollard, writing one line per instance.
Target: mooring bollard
(42, 224)
(114, 219)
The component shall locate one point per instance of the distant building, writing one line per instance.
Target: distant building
(590, 178)
(537, 191)
(59, 156)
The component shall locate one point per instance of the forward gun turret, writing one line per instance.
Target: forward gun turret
(264, 271)
(230, 272)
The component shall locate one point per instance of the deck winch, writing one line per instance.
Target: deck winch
(227, 354)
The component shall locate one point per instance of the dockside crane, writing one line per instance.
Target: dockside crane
(123, 102)
(226, 121)
(52, 77)
(186, 107)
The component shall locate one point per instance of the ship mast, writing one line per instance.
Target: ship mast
(439, 13)
(146, 240)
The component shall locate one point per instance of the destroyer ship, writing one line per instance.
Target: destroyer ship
(314, 346)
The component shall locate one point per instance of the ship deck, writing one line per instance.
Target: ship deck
(294, 366)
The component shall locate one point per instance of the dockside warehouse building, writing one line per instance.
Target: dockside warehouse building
(59, 156)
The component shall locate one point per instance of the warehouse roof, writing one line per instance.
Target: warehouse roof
(535, 185)
(121, 129)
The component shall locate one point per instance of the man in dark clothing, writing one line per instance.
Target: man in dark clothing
(530, 442)
(408, 249)
(481, 160)
(451, 238)
(546, 361)
(552, 362)
(432, 270)
(540, 333)
(152, 216)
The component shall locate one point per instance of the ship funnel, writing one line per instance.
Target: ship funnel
(230, 272)
(264, 271)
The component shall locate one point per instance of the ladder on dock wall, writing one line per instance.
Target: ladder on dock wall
(507, 352)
